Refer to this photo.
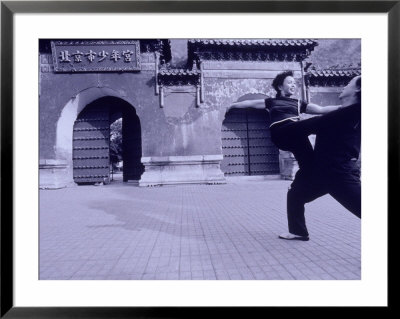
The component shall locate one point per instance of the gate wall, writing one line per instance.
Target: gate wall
(171, 149)
(180, 129)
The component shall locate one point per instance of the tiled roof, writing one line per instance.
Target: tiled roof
(334, 73)
(178, 72)
(171, 76)
(334, 76)
(256, 42)
(250, 49)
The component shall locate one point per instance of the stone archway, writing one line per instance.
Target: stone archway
(65, 126)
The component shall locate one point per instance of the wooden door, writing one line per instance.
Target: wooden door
(247, 145)
(91, 140)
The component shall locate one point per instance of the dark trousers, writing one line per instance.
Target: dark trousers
(293, 136)
(338, 177)
(344, 186)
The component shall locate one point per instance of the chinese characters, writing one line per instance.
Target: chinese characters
(96, 56)
(91, 56)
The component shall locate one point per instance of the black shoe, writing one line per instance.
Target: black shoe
(290, 236)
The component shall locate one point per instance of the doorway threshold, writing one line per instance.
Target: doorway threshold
(255, 178)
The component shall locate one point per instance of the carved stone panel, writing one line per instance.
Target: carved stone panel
(96, 56)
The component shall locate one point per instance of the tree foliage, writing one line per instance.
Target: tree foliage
(336, 52)
(116, 141)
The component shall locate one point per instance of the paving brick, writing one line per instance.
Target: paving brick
(185, 275)
(209, 275)
(221, 275)
(192, 233)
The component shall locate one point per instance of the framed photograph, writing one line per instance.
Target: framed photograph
(162, 158)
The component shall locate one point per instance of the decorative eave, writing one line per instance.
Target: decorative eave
(250, 49)
(172, 79)
(336, 76)
(178, 77)
(255, 42)
(178, 72)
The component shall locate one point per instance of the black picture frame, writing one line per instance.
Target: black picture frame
(9, 8)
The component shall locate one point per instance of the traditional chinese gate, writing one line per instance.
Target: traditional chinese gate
(91, 139)
(247, 145)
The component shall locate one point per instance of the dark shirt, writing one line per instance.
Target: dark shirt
(338, 142)
(284, 108)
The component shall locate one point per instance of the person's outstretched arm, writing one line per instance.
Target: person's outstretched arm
(317, 109)
(331, 120)
(256, 104)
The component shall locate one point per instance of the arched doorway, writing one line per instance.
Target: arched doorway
(246, 142)
(91, 141)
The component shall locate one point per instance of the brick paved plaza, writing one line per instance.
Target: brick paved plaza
(191, 232)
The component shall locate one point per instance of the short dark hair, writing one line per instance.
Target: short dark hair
(278, 81)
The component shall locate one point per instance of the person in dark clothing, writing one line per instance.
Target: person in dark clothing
(288, 133)
(335, 169)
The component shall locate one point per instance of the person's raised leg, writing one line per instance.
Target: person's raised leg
(288, 139)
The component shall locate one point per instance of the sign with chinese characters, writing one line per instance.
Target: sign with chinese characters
(96, 55)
